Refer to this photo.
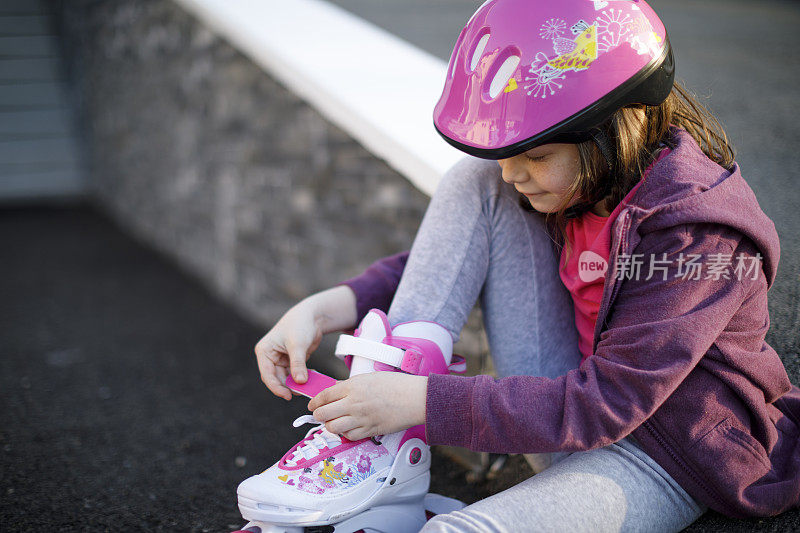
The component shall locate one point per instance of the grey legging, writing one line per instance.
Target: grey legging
(477, 241)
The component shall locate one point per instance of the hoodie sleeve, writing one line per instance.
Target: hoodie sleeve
(375, 287)
(657, 331)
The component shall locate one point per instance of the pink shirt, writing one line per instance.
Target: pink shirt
(584, 272)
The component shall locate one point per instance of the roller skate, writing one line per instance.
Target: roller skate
(328, 483)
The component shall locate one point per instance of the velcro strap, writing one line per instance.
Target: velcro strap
(377, 351)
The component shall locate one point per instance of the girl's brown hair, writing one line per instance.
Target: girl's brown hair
(637, 131)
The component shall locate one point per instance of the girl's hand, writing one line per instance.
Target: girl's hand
(288, 345)
(372, 404)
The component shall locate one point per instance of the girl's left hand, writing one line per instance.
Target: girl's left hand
(372, 404)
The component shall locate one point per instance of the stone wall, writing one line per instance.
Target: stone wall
(201, 154)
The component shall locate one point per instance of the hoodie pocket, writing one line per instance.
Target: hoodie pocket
(730, 457)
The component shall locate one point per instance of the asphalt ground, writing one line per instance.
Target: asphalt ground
(130, 398)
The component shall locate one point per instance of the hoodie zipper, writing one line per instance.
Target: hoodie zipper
(617, 245)
(615, 287)
(620, 247)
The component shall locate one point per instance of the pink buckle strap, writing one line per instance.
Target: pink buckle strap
(414, 362)
(315, 384)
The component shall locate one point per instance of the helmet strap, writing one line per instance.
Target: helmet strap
(605, 145)
(608, 149)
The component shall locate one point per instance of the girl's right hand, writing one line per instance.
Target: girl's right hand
(286, 347)
(289, 344)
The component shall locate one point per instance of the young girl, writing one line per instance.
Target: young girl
(633, 351)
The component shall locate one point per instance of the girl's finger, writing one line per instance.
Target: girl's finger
(278, 358)
(331, 394)
(332, 410)
(270, 379)
(281, 372)
(273, 353)
(297, 361)
(342, 424)
(264, 347)
(280, 361)
(357, 433)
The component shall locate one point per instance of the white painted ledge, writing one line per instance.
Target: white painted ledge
(375, 86)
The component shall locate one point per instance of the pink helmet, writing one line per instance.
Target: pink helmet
(530, 72)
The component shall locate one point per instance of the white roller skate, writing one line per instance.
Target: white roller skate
(328, 483)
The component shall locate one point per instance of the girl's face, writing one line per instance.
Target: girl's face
(543, 174)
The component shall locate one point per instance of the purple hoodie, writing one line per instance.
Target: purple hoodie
(680, 363)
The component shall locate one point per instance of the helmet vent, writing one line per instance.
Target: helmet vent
(503, 74)
(479, 48)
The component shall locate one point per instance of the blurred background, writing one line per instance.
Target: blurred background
(167, 192)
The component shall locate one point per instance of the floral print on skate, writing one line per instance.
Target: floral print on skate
(339, 471)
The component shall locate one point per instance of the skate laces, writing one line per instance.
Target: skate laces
(322, 439)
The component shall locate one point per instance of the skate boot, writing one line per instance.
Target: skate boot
(373, 484)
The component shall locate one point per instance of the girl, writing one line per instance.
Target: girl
(663, 400)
